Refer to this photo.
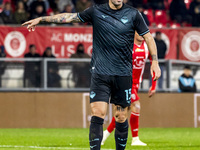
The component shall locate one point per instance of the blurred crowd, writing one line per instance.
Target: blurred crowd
(32, 69)
(160, 13)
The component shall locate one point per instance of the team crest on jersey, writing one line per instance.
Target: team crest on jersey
(139, 62)
(124, 19)
(139, 50)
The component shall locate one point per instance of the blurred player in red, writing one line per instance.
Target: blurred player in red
(140, 54)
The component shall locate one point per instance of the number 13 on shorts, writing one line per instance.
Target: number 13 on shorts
(128, 95)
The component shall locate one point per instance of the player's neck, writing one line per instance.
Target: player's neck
(115, 7)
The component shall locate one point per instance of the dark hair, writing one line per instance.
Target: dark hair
(31, 46)
(187, 67)
(78, 50)
(158, 33)
(45, 52)
(80, 45)
(48, 48)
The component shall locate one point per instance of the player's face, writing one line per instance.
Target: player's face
(33, 50)
(49, 53)
(138, 38)
(117, 2)
(187, 72)
(158, 37)
(8, 6)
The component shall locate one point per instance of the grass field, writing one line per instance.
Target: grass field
(77, 139)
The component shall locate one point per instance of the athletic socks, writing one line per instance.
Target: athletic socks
(134, 123)
(96, 133)
(111, 126)
(121, 135)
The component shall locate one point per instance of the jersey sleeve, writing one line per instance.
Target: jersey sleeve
(86, 15)
(140, 25)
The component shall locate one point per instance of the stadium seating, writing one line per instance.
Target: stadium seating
(150, 15)
(161, 17)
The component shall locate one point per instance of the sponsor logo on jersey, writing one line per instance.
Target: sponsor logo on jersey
(139, 62)
(139, 50)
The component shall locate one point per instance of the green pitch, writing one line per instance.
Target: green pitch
(77, 139)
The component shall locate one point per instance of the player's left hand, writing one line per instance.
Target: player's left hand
(151, 92)
(155, 69)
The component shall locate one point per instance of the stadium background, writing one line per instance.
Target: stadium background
(29, 100)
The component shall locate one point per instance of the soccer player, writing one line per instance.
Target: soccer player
(140, 54)
(114, 24)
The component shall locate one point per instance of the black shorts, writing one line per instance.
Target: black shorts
(115, 88)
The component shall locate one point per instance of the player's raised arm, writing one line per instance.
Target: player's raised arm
(60, 18)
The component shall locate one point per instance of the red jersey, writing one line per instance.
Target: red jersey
(140, 55)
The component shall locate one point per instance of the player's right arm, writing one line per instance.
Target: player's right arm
(60, 18)
(143, 30)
